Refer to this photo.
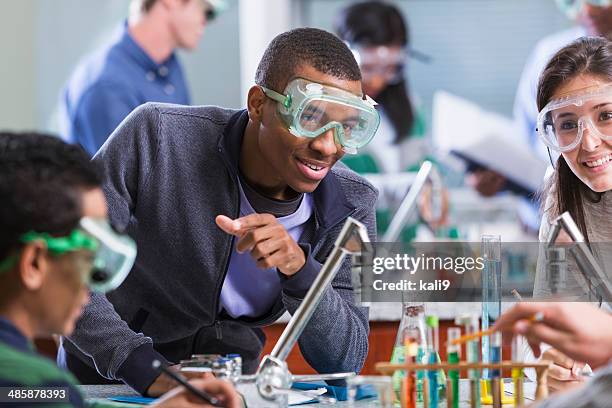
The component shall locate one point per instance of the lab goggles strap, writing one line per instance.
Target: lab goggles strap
(76, 240)
(282, 99)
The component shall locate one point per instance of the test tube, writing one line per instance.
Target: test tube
(422, 358)
(517, 374)
(454, 354)
(491, 292)
(496, 343)
(411, 345)
(433, 337)
(472, 325)
(432, 375)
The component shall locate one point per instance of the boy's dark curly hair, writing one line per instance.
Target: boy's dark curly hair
(41, 180)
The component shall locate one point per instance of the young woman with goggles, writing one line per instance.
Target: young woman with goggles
(378, 36)
(564, 121)
(574, 99)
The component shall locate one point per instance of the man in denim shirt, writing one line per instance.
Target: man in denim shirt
(139, 65)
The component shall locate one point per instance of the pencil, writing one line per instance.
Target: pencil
(183, 381)
(538, 317)
(517, 295)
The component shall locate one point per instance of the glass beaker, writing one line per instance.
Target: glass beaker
(413, 325)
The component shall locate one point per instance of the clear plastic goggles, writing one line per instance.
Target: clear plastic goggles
(212, 8)
(562, 122)
(572, 8)
(310, 109)
(385, 62)
(114, 253)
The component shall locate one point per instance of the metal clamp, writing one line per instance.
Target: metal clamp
(599, 284)
(427, 172)
(273, 379)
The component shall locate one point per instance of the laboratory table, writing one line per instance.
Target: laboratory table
(103, 391)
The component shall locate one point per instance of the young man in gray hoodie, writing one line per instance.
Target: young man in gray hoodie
(234, 212)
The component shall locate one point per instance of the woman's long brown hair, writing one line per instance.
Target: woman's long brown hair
(585, 56)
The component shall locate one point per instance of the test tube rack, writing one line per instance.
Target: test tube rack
(541, 369)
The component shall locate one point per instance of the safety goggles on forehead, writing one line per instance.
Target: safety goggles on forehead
(572, 8)
(562, 122)
(310, 109)
(114, 254)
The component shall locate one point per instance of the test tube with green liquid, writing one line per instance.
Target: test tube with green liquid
(472, 325)
(454, 355)
(436, 378)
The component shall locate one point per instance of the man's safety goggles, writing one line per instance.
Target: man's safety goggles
(114, 254)
(562, 122)
(310, 109)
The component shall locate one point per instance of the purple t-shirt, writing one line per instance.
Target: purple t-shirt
(249, 290)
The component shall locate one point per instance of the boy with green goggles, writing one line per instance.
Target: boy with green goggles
(112, 254)
(47, 188)
(310, 109)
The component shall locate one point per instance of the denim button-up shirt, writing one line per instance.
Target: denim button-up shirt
(109, 84)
